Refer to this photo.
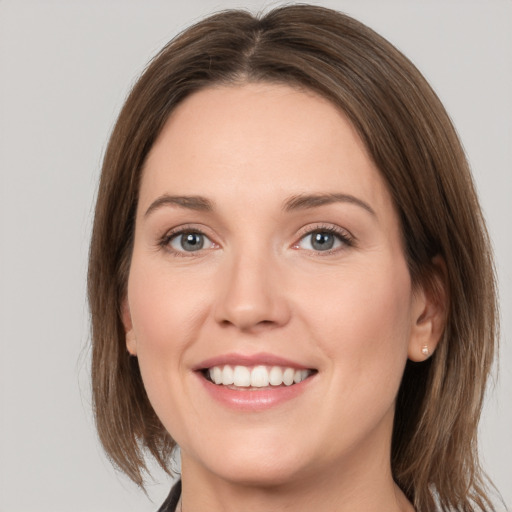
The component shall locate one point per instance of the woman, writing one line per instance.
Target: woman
(290, 277)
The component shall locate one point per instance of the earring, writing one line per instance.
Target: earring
(425, 350)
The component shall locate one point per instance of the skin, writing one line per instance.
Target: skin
(258, 285)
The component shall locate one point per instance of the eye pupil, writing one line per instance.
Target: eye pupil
(192, 241)
(322, 241)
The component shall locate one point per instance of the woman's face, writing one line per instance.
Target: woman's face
(267, 248)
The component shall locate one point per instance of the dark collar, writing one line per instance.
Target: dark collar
(169, 505)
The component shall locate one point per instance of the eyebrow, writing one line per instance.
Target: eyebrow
(197, 203)
(306, 201)
(297, 202)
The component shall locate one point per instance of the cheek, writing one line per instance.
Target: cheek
(166, 310)
(166, 317)
(362, 320)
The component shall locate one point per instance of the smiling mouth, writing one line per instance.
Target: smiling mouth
(255, 377)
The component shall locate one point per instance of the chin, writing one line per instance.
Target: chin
(262, 473)
(255, 463)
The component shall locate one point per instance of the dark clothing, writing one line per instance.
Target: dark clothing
(169, 505)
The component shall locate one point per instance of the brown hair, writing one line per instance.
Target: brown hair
(412, 141)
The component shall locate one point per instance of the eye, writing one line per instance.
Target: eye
(323, 240)
(189, 241)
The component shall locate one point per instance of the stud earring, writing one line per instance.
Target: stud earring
(425, 350)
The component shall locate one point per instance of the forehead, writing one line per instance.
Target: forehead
(258, 138)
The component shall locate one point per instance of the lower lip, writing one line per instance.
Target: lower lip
(254, 399)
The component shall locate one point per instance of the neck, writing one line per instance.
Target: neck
(366, 488)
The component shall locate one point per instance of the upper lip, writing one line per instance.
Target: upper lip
(262, 358)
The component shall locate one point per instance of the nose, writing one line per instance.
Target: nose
(252, 294)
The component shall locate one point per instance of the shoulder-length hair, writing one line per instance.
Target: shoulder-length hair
(412, 141)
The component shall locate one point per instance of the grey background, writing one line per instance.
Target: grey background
(65, 68)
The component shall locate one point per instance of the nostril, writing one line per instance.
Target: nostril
(251, 297)
(246, 325)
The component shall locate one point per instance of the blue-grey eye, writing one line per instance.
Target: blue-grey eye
(320, 241)
(190, 242)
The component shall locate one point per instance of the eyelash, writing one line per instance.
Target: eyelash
(165, 240)
(342, 235)
(346, 238)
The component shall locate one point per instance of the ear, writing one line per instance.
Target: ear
(430, 311)
(131, 342)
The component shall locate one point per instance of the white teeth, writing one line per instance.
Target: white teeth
(257, 377)
(288, 375)
(217, 375)
(227, 376)
(275, 376)
(242, 376)
(300, 375)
